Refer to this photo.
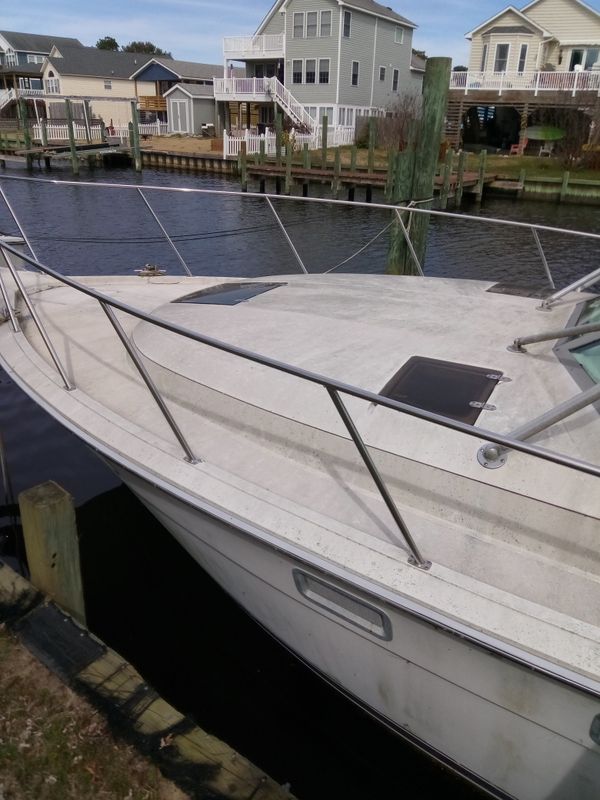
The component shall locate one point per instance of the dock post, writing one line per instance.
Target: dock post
(262, 152)
(337, 169)
(72, 145)
(324, 143)
(389, 181)
(305, 156)
(87, 115)
(278, 137)
(460, 178)
(481, 176)
(26, 133)
(137, 155)
(372, 139)
(522, 179)
(244, 166)
(436, 84)
(448, 164)
(400, 261)
(52, 545)
(289, 152)
(564, 188)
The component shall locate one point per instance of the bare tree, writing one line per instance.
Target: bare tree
(394, 131)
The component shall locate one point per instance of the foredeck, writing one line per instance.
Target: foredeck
(511, 556)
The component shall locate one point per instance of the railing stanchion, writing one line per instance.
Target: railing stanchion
(285, 233)
(416, 558)
(409, 244)
(161, 226)
(38, 323)
(17, 223)
(6, 299)
(543, 257)
(145, 375)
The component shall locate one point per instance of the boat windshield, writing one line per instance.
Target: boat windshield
(589, 357)
(591, 312)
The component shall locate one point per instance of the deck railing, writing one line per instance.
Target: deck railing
(334, 388)
(267, 45)
(534, 82)
(59, 132)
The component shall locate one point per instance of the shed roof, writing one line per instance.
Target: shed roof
(97, 63)
(23, 69)
(37, 42)
(417, 62)
(192, 90)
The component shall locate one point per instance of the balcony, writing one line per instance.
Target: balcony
(244, 90)
(152, 102)
(534, 82)
(247, 48)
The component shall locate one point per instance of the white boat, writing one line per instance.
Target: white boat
(396, 476)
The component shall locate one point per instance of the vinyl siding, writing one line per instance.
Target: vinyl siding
(276, 24)
(317, 48)
(391, 55)
(567, 20)
(480, 38)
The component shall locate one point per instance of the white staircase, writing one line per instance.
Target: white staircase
(286, 100)
(6, 95)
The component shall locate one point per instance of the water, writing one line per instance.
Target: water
(144, 595)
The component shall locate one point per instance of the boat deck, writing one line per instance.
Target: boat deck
(515, 558)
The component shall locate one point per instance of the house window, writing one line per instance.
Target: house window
(33, 59)
(311, 111)
(297, 71)
(501, 60)
(311, 71)
(311, 24)
(326, 112)
(483, 58)
(347, 24)
(399, 35)
(522, 58)
(323, 70)
(355, 67)
(108, 84)
(350, 117)
(325, 23)
(395, 80)
(381, 73)
(52, 86)
(342, 116)
(584, 58)
(298, 24)
(10, 59)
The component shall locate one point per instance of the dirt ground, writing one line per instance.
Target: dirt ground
(55, 746)
(181, 144)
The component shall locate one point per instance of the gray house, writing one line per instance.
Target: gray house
(22, 56)
(339, 58)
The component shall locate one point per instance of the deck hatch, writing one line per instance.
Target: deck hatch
(228, 294)
(459, 391)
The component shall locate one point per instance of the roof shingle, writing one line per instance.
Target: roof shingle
(36, 42)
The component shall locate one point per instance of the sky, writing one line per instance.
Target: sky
(192, 30)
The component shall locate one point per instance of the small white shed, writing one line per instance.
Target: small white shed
(190, 106)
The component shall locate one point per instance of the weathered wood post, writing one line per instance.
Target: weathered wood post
(481, 176)
(460, 178)
(72, 144)
(135, 129)
(521, 187)
(324, 125)
(278, 137)
(262, 157)
(87, 115)
(52, 545)
(22, 110)
(436, 84)
(244, 166)
(289, 152)
(337, 169)
(564, 188)
(400, 261)
(448, 164)
(306, 164)
(372, 143)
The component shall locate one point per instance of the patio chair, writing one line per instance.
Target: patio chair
(518, 149)
(546, 149)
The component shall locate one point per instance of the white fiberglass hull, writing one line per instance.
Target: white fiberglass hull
(515, 732)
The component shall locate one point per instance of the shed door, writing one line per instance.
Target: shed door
(179, 116)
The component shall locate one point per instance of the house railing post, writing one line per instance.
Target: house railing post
(575, 83)
(537, 83)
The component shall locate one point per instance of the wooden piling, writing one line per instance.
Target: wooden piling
(337, 169)
(289, 152)
(448, 164)
(372, 142)
(243, 163)
(481, 176)
(278, 137)
(262, 154)
(324, 144)
(52, 546)
(305, 156)
(137, 155)
(400, 261)
(460, 178)
(72, 144)
(521, 187)
(353, 157)
(87, 115)
(564, 187)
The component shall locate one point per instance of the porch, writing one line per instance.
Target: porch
(533, 83)
(247, 48)
(243, 90)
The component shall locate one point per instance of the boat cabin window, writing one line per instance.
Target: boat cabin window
(589, 358)
(454, 390)
(591, 312)
(228, 294)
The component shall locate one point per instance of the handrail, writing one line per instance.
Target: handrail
(587, 280)
(314, 377)
(548, 336)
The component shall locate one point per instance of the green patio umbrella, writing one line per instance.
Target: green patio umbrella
(544, 133)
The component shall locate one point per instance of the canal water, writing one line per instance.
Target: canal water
(144, 595)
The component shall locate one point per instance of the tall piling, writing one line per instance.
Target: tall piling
(135, 129)
(72, 143)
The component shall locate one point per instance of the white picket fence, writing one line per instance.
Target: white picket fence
(60, 132)
(232, 144)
